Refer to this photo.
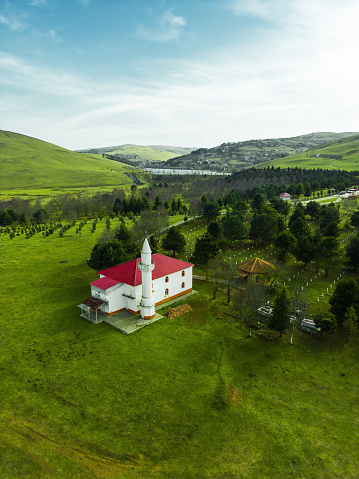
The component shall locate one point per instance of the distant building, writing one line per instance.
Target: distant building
(284, 196)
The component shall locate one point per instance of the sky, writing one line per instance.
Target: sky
(91, 73)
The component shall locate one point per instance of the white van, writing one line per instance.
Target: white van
(309, 326)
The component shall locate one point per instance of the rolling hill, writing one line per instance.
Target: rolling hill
(29, 164)
(141, 154)
(245, 154)
(341, 154)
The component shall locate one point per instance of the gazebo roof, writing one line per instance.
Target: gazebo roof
(255, 266)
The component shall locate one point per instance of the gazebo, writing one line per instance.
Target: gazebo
(252, 268)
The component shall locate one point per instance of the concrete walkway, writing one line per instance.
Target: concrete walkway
(127, 322)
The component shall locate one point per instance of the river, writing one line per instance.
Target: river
(173, 171)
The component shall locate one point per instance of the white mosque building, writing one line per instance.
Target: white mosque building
(138, 286)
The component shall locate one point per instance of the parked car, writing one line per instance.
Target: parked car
(309, 326)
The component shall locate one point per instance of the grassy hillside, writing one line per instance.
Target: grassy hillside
(188, 398)
(244, 154)
(154, 153)
(32, 165)
(324, 156)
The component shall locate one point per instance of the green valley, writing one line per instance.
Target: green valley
(32, 166)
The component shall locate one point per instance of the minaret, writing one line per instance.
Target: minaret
(146, 267)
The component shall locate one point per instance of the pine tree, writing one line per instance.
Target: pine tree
(280, 316)
(174, 241)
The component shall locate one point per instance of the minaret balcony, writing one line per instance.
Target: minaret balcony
(146, 267)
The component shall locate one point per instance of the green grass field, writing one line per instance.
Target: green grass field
(347, 147)
(188, 398)
(144, 152)
(31, 167)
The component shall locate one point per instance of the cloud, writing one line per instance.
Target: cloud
(13, 22)
(78, 51)
(38, 3)
(166, 27)
(54, 36)
(17, 73)
(291, 78)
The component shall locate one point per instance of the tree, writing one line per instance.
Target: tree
(299, 227)
(106, 255)
(299, 190)
(280, 316)
(205, 249)
(263, 227)
(312, 209)
(285, 240)
(307, 189)
(329, 249)
(215, 272)
(150, 223)
(351, 322)
(332, 229)
(215, 229)
(307, 249)
(352, 253)
(354, 219)
(346, 294)
(234, 228)
(39, 216)
(229, 276)
(282, 207)
(174, 241)
(211, 210)
(153, 244)
(157, 203)
(258, 203)
(246, 306)
(5, 218)
(123, 235)
(329, 214)
(326, 322)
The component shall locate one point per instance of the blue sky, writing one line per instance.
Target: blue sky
(91, 73)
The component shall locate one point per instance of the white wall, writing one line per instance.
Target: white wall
(112, 295)
(174, 285)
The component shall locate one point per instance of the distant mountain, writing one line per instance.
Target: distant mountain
(31, 164)
(244, 154)
(140, 154)
(342, 154)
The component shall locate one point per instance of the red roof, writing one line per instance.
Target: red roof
(104, 283)
(284, 194)
(129, 273)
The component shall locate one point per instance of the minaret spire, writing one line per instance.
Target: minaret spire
(146, 266)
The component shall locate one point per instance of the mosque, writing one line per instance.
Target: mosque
(138, 286)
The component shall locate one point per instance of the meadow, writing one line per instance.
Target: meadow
(31, 167)
(347, 148)
(192, 397)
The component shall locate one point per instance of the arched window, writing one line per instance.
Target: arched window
(183, 285)
(166, 292)
(166, 279)
(183, 273)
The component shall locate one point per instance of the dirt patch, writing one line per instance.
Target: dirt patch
(234, 395)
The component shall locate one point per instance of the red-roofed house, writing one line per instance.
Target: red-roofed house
(120, 287)
(284, 196)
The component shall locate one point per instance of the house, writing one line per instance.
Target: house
(138, 285)
(284, 196)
